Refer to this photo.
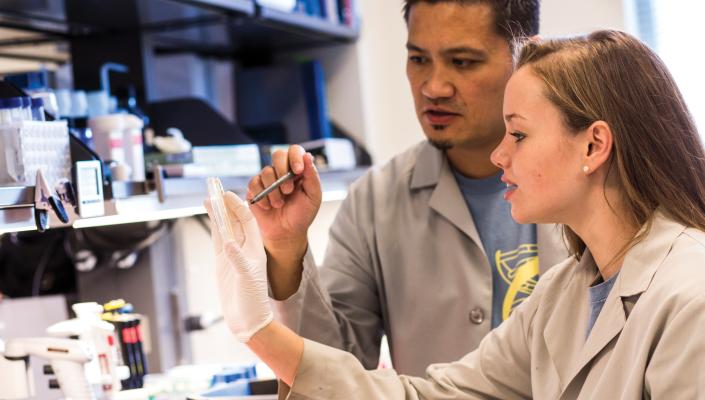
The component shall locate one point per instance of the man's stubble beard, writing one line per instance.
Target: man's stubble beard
(441, 144)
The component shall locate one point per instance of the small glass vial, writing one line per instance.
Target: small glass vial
(10, 110)
(37, 109)
(220, 213)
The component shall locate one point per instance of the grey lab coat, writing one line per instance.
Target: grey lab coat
(405, 259)
(647, 342)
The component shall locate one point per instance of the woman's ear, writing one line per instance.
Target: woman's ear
(598, 146)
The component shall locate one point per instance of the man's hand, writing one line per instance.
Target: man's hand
(285, 215)
(287, 212)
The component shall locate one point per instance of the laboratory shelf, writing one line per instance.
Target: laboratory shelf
(139, 202)
(315, 27)
(16, 208)
(241, 6)
(16, 196)
(183, 197)
(234, 28)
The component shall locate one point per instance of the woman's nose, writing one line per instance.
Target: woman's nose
(500, 156)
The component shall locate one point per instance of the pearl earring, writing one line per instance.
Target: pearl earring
(586, 169)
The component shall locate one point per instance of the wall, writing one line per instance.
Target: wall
(391, 120)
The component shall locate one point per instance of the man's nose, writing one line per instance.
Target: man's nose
(438, 86)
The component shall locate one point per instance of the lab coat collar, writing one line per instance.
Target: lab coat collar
(568, 351)
(433, 170)
(642, 261)
(427, 169)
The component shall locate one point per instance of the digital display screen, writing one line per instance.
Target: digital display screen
(89, 181)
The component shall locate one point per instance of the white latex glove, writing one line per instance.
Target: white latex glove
(241, 268)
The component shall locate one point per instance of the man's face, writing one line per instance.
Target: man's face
(457, 67)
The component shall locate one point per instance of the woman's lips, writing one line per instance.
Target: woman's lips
(511, 188)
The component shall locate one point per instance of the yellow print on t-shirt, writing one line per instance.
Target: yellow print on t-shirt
(520, 270)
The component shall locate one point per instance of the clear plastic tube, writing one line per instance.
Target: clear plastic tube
(220, 213)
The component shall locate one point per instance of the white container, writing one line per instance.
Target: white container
(118, 137)
(32, 145)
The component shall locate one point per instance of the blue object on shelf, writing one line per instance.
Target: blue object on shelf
(283, 103)
(28, 80)
(232, 381)
(238, 388)
(315, 94)
(232, 374)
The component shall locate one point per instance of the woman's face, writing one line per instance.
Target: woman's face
(541, 158)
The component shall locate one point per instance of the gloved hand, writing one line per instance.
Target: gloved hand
(241, 268)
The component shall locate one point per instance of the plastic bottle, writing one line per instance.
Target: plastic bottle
(26, 108)
(10, 110)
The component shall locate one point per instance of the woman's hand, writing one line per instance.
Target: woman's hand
(241, 268)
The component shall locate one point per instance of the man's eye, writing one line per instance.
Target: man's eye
(417, 59)
(463, 62)
(518, 136)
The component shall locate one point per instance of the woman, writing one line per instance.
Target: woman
(598, 139)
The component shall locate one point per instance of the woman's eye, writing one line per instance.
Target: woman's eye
(518, 136)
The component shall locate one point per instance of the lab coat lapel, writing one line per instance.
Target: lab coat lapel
(448, 201)
(564, 331)
(635, 276)
(607, 326)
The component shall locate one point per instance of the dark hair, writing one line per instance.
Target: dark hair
(513, 18)
(658, 160)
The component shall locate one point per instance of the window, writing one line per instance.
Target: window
(673, 29)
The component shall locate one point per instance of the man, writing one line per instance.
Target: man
(423, 249)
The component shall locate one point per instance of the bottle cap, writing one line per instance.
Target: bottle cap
(12, 102)
(37, 102)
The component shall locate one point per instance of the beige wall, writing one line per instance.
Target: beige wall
(391, 121)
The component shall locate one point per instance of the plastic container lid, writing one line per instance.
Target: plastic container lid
(12, 102)
(37, 102)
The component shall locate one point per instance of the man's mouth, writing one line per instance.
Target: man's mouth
(439, 117)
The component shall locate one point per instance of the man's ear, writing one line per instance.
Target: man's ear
(598, 145)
